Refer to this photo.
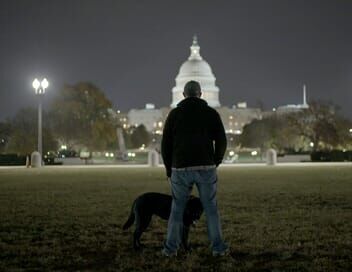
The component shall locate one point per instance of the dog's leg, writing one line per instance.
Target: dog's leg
(141, 225)
(137, 232)
(185, 238)
(136, 239)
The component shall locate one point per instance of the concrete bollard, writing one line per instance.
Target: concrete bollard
(153, 158)
(271, 157)
(27, 162)
(36, 159)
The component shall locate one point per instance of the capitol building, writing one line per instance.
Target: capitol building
(197, 68)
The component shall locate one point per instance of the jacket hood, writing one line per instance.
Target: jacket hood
(192, 100)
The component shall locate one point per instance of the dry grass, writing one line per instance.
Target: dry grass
(274, 218)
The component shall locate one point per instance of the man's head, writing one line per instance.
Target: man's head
(192, 89)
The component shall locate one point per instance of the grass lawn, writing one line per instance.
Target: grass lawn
(275, 219)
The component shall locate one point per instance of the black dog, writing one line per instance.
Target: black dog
(149, 204)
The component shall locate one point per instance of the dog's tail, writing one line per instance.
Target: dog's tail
(130, 219)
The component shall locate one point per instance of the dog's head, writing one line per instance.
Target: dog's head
(193, 211)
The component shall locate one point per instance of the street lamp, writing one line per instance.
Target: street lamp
(39, 88)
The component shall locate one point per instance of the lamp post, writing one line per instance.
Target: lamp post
(39, 88)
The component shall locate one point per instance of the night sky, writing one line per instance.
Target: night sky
(258, 50)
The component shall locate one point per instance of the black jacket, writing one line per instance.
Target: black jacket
(193, 136)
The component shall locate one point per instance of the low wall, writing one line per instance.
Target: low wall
(294, 158)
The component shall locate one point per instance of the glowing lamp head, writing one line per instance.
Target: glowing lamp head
(45, 83)
(36, 84)
(254, 153)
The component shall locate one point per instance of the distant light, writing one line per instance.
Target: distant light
(350, 130)
(274, 109)
(254, 153)
(118, 111)
(231, 153)
(242, 105)
(231, 117)
(36, 84)
(150, 106)
(238, 131)
(45, 83)
(133, 155)
(111, 155)
(160, 124)
(107, 154)
(311, 144)
(64, 147)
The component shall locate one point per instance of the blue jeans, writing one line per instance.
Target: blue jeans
(181, 185)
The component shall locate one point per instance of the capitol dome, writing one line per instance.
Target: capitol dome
(196, 68)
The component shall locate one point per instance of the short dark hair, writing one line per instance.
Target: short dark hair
(192, 88)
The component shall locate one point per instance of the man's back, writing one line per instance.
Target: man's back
(189, 135)
(193, 143)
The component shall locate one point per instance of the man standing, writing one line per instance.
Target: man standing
(193, 145)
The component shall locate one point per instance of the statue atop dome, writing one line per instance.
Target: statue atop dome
(195, 49)
(195, 40)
